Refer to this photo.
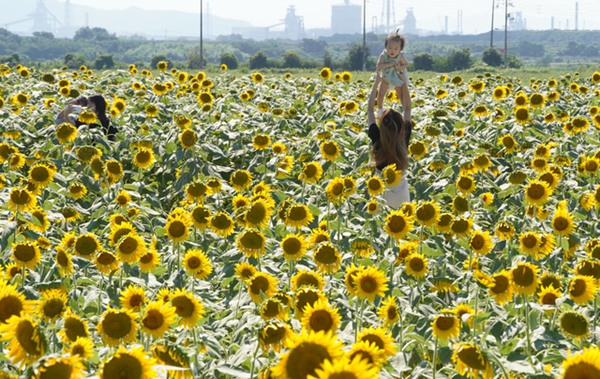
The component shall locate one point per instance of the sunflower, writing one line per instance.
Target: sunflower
(117, 327)
(61, 367)
(327, 257)
(471, 361)
(427, 213)
(304, 296)
(584, 364)
(500, 92)
(143, 158)
(537, 192)
(305, 277)
(73, 328)
(221, 224)
(465, 184)
(398, 224)
(530, 244)
(362, 247)
(481, 242)
(298, 215)
(294, 246)
(240, 179)
(261, 141)
(128, 362)
(367, 352)
(389, 312)
(26, 254)
(12, 302)
(177, 225)
(370, 282)
(21, 200)
(172, 355)
(52, 304)
(381, 339)
(562, 222)
(26, 341)
(441, 93)
(273, 309)
(261, 285)
(480, 110)
(157, 318)
(574, 324)
(41, 174)
(251, 242)
(130, 248)
(187, 306)
(188, 138)
(325, 73)
(330, 150)
(582, 289)
(200, 216)
(133, 298)
(351, 368)
(106, 262)
(306, 353)
(547, 297)
(335, 191)
(445, 327)
(320, 316)
(197, 263)
(258, 213)
(524, 277)
(66, 133)
(245, 271)
(416, 265)
(82, 347)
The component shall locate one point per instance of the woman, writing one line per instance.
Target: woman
(389, 145)
(95, 103)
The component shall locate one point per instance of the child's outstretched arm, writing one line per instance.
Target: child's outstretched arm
(372, 98)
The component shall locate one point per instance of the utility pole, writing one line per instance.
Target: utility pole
(505, 33)
(364, 60)
(492, 28)
(201, 37)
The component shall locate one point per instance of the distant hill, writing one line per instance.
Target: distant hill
(21, 17)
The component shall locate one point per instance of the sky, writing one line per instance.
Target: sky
(431, 15)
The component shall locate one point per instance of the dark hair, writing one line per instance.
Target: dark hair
(392, 145)
(395, 37)
(100, 104)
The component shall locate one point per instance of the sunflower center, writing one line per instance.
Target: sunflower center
(368, 284)
(86, 245)
(9, 306)
(74, 328)
(221, 222)
(306, 298)
(501, 284)
(425, 212)
(310, 171)
(578, 288)
(523, 276)
(304, 359)
(273, 335)
(196, 189)
(582, 370)
(396, 223)
(549, 298)
(321, 320)
(298, 213)
(477, 242)
(117, 325)
(128, 246)
(53, 307)
(536, 191)
(193, 262)
(200, 215)
(330, 149)
(24, 253)
(326, 255)
(183, 306)
(252, 240)
(272, 308)
(472, 358)
(292, 246)
(307, 280)
(445, 322)
(560, 223)
(40, 174)
(177, 229)
(106, 259)
(20, 197)
(574, 324)
(417, 264)
(391, 313)
(154, 319)
(123, 366)
(372, 338)
(27, 337)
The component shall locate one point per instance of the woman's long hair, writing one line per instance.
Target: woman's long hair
(100, 104)
(391, 147)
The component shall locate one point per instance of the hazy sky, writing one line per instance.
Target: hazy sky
(430, 14)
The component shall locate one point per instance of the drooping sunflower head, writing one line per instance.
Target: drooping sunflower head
(574, 324)
(584, 364)
(471, 361)
(128, 362)
(117, 327)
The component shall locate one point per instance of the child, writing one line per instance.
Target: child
(392, 66)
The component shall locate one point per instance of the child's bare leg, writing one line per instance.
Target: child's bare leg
(383, 88)
(404, 96)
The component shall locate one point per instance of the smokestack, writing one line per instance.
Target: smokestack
(577, 15)
(67, 14)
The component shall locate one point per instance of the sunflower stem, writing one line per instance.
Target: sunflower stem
(434, 360)
(254, 360)
(527, 326)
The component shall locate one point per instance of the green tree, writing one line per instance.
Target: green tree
(291, 59)
(258, 60)
(160, 58)
(95, 34)
(492, 57)
(74, 60)
(356, 56)
(229, 60)
(104, 61)
(423, 61)
(459, 59)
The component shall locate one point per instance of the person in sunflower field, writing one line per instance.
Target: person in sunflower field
(95, 103)
(389, 145)
(392, 66)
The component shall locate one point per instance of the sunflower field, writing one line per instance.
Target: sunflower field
(236, 229)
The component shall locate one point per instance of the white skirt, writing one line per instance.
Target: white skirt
(397, 195)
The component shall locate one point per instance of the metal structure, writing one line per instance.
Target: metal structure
(42, 18)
